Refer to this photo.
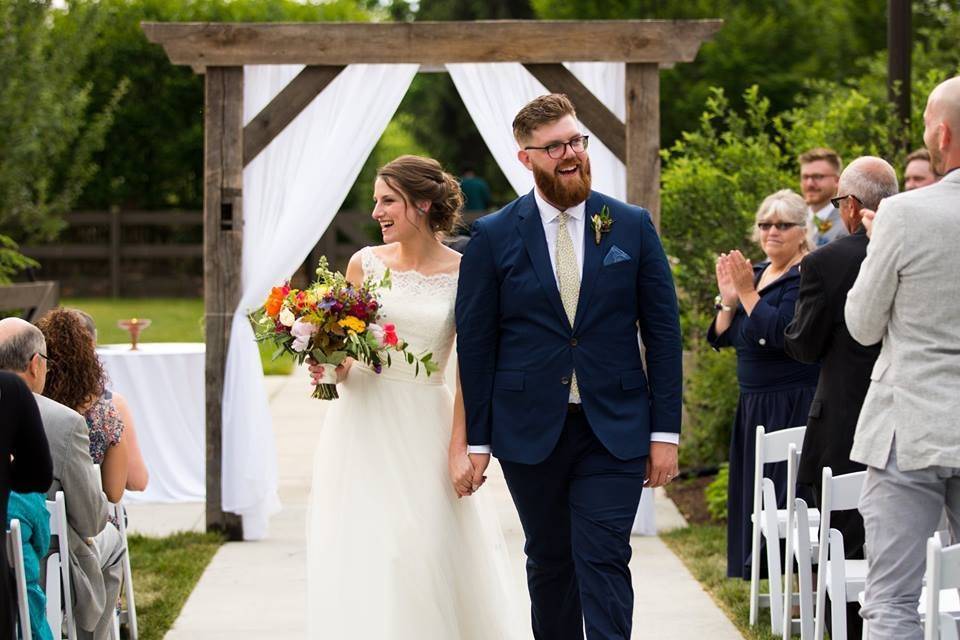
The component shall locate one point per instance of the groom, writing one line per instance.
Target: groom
(552, 290)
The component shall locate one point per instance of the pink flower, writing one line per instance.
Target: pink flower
(390, 334)
(302, 332)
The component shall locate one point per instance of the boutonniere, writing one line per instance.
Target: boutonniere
(823, 225)
(602, 223)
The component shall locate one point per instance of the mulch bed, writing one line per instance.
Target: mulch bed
(689, 498)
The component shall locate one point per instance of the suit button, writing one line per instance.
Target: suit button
(564, 380)
(573, 342)
(762, 341)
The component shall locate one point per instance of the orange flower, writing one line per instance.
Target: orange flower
(274, 302)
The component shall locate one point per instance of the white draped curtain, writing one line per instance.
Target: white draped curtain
(493, 94)
(291, 191)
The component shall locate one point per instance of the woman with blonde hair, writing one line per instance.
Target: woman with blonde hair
(754, 306)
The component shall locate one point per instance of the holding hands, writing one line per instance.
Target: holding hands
(466, 471)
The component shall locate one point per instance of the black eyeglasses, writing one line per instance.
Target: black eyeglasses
(44, 356)
(557, 149)
(836, 201)
(781, 226)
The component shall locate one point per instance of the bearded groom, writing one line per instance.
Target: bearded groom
(553, 288)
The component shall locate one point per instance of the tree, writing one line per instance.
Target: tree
(153, 158)
(50, 130)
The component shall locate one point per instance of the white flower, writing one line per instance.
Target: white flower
(302, 332)
(287, 318)
(377, 332)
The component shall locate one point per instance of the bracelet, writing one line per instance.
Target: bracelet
(719, 306)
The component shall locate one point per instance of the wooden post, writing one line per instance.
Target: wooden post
(115, 252)
(899, 44)
(642, 82)
(222, 253)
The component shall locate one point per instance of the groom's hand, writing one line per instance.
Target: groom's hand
(480, 461)
(661, 464)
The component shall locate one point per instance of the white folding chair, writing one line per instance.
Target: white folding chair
(129, 614)
(802, 547)
(15, 558)
(59, 527)
(837, 578)
(943, 572)
(769, 522)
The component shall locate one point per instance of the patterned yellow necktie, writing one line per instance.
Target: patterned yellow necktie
(568, 277)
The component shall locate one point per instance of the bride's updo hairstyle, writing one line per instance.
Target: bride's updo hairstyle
(419, 179)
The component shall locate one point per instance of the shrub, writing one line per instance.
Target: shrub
(716, 494)
(710, 401)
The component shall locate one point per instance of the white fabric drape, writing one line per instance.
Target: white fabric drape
(291, 190)
(493, 94)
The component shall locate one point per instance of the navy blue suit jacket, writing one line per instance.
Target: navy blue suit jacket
(517, 350)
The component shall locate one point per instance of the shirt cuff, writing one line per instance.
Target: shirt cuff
(665, 436)
(479, 448)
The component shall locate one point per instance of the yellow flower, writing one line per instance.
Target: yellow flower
(353, 324)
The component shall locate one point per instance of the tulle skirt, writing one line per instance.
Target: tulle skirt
(392, 553)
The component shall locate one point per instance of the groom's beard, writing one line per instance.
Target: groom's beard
(564, 193)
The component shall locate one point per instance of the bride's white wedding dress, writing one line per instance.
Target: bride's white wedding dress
(391, 552)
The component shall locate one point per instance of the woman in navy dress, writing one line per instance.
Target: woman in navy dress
(755, 305)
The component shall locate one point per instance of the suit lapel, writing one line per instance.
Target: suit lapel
(530, 226)
(592, 256)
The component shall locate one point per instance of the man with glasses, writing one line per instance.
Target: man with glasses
(818, 333)
(819, 171)
(552, 290)
(95, 547)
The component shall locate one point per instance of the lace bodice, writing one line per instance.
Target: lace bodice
(422, 308)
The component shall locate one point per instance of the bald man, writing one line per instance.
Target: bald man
(907, 295)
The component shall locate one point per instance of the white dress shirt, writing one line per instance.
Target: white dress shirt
(550, 216)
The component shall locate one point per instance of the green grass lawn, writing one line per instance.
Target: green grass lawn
(703, 549)
(165, 570)
(173, 320)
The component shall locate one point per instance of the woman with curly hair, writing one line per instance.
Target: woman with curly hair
(76, 379)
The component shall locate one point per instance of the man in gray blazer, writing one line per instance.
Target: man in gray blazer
(95, 545)
(908, 295)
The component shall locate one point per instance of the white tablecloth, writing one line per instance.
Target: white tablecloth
(164, 386)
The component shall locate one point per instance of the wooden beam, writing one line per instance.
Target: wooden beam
(643, 137)
(35, 298)
(594, 114)
(223, 247)
(284, 107)
(202, 44)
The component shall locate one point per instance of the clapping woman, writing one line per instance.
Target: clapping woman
(755, 304)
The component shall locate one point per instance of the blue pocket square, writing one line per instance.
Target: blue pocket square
(615, 255)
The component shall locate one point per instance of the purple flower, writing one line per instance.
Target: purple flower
(302, 332)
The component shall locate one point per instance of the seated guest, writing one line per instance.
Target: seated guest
(907, 296)
(137, 474)
(78, 382)
(31, 510)
(754, 306)
(95, 549)
(818, 333)
(918, 171)
(25, 466)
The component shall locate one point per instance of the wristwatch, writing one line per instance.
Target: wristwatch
(719, 306)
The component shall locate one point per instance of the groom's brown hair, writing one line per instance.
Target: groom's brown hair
(541, 111)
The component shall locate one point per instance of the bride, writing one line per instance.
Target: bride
(393, 552)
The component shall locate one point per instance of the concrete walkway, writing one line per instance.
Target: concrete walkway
(257, 590)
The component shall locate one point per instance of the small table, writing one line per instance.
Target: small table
(164, 385)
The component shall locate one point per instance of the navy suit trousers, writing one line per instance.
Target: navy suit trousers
(577, 508)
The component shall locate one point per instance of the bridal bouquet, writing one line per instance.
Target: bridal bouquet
(329, 321)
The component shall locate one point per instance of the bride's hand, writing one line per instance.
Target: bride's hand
(461, 471)
(343, 369)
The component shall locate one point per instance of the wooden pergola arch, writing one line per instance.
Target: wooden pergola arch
(220, 50)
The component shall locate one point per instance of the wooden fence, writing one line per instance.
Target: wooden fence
(160, 253)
